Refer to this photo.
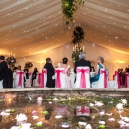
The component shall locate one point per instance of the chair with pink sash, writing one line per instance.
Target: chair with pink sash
(102, 82)
(37, 81)
(60, 78)
(19, 82)
(116, 82)
(43, 78)
(82, 77)
(127, 80)
(28, 81)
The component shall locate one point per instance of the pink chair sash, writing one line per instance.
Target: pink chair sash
(83, 78)
(105, 78)
(58, 79)
(39, 77)
(126, 76)
(20, 78)
(118, 81)
(42, 80)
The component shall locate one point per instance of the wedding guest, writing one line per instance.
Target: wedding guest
(92, 69)
(26, 78)
(10, 77)
(3, 73)
(34, 75)
(100, 65)
(14, 77)
(50, 72)
(19, 67)
(82, 62)
(67, 71)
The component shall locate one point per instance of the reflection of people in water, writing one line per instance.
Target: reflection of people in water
(49, 108)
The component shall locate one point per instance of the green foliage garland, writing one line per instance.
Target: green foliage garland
(28, 65)
(11, 61)
(69, 7)
(78, 35)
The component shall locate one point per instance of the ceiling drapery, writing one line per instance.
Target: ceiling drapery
(30, 27)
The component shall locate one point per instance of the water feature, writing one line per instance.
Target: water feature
(73, 111)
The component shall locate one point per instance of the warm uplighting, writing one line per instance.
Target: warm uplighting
(119, 61)
(9, 99)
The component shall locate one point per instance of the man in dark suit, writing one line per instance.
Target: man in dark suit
(3, 72)
(50, 73)
(82, 62)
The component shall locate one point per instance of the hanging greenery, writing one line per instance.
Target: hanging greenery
(78, 35)
(69, 8)
(11, 61)
(28, 65)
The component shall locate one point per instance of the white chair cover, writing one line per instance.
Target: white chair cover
(127, 80)
(1, 84)
(28, 81)
(60, 80)
(43, 78)
(72, 77)
(19, 79)
(102, 82)
(82, 77)
(115, 83)
(37, 81)
(14, 80)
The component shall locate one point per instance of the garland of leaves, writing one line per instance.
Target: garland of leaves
(11, 61)
(69, 8)
(78, 35)
(28, 65)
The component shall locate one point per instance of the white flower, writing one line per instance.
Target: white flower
(126, 119)
(50, 102)
(124, 101)
(121, 122)
(109, 114)
(3, 113)
(21, 117)
(25, 126)
(15, 127)
(93, 117)
(82, 123)
(102, 113)
(111, 119)
(58, 116)
(98, 104)
(102, 122)
(35, 117)
(91, 105)
(34, 112)
(7, 110)
(110, 102)
(39, 99)
(119, 106)
(55, 99)
(88, 126)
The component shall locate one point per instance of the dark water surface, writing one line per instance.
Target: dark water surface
(66, 107)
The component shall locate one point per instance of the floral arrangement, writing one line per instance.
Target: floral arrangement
(11, 60)
(28, 65)
(69, 8)
(78, 35)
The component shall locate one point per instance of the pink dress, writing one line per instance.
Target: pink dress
(67, 81)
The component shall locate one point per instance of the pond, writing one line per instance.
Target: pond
(65, 112)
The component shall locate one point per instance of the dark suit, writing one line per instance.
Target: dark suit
(4, 74)
(50, 73)
(10, 78)
(82, 63)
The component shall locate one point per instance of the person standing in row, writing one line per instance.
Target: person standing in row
(50, 72)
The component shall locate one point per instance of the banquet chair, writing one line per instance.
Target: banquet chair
(82, 77)
(60, 78)
(115, 83)
(1, 84)
(102, 82)
(19, 81)
(72, 77)
(37, 81)
(127, 80)
(43, 78)
(28, 81)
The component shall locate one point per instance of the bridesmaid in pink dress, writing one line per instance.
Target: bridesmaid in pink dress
(67, 71)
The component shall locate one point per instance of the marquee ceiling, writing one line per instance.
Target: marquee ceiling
(29, 27)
